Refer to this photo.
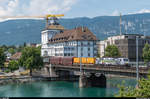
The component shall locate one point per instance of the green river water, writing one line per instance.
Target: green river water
(62, 89)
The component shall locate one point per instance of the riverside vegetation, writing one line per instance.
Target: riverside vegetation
(30, 58)
(143, 89)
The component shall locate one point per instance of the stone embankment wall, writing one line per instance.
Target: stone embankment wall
(19, 80)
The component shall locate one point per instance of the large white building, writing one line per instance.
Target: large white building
(78, 42)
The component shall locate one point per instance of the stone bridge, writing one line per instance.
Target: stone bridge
(93, 80)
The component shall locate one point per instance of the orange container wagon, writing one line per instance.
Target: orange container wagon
(84, 60)
(90, 60)
(76, 60)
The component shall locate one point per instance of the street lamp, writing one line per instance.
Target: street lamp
(137, 67)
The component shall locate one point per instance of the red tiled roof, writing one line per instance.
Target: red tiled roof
(74, 34)
(16, 56)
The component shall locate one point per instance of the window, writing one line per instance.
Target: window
(72, 49)
(81, 54)
(65, 49)
(81, 49)
(81, 43)
(68, 54)
(126, 36)
(88, 49)
(72, 54)
(88, 43)
(45, 53)
(89, 55)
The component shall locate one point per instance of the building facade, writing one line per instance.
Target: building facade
(126, 44)
(78, 42)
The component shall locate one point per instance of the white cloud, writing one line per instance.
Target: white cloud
(8, 7)
(37, 7)
(34, 7)
(144, 11)
(115, 13)
(141, 11)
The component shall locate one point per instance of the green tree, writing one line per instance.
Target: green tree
(20, 48)
(4, 47)
(112, 51)
(142, 91)
(146, 53)
(13, 65)
(98, 54)
(11, 50)
(31, 58)
(2, 57)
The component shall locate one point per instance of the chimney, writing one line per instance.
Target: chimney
(83, 29)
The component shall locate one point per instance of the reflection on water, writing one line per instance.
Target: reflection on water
(62, 89)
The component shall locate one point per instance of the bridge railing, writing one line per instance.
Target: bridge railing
(122, 68)
(141, 64)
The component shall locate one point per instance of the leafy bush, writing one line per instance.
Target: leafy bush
(7, 71)
(143, 89)
(13, 65)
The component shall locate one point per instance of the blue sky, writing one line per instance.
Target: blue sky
(94, 8)
(73, 8)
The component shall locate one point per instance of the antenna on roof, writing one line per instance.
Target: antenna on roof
(120, 23)
(144, 27)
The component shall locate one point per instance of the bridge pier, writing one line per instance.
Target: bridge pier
(92, 81)
(97, 81)
(51, 71)
(83, 82)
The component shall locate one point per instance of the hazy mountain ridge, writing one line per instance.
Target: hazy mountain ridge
(13, 32)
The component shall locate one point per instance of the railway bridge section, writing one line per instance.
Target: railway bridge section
(95, 75)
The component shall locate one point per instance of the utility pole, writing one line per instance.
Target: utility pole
(80, 65)
(137, 65)
(144, 28)
(81, 61)
(120, 23)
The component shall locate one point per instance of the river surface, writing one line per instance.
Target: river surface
(62, 89)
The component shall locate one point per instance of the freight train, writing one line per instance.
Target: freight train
(71, 60)
(88, 61)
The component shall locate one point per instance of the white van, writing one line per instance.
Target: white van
(123, 61)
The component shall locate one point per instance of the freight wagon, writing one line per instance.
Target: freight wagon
(84, 60)
(71, 60)
(61, 60)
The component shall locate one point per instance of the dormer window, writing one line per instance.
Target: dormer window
(61, 31)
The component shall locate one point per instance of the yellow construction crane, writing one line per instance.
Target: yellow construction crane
(47, 17)
(57, 15)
